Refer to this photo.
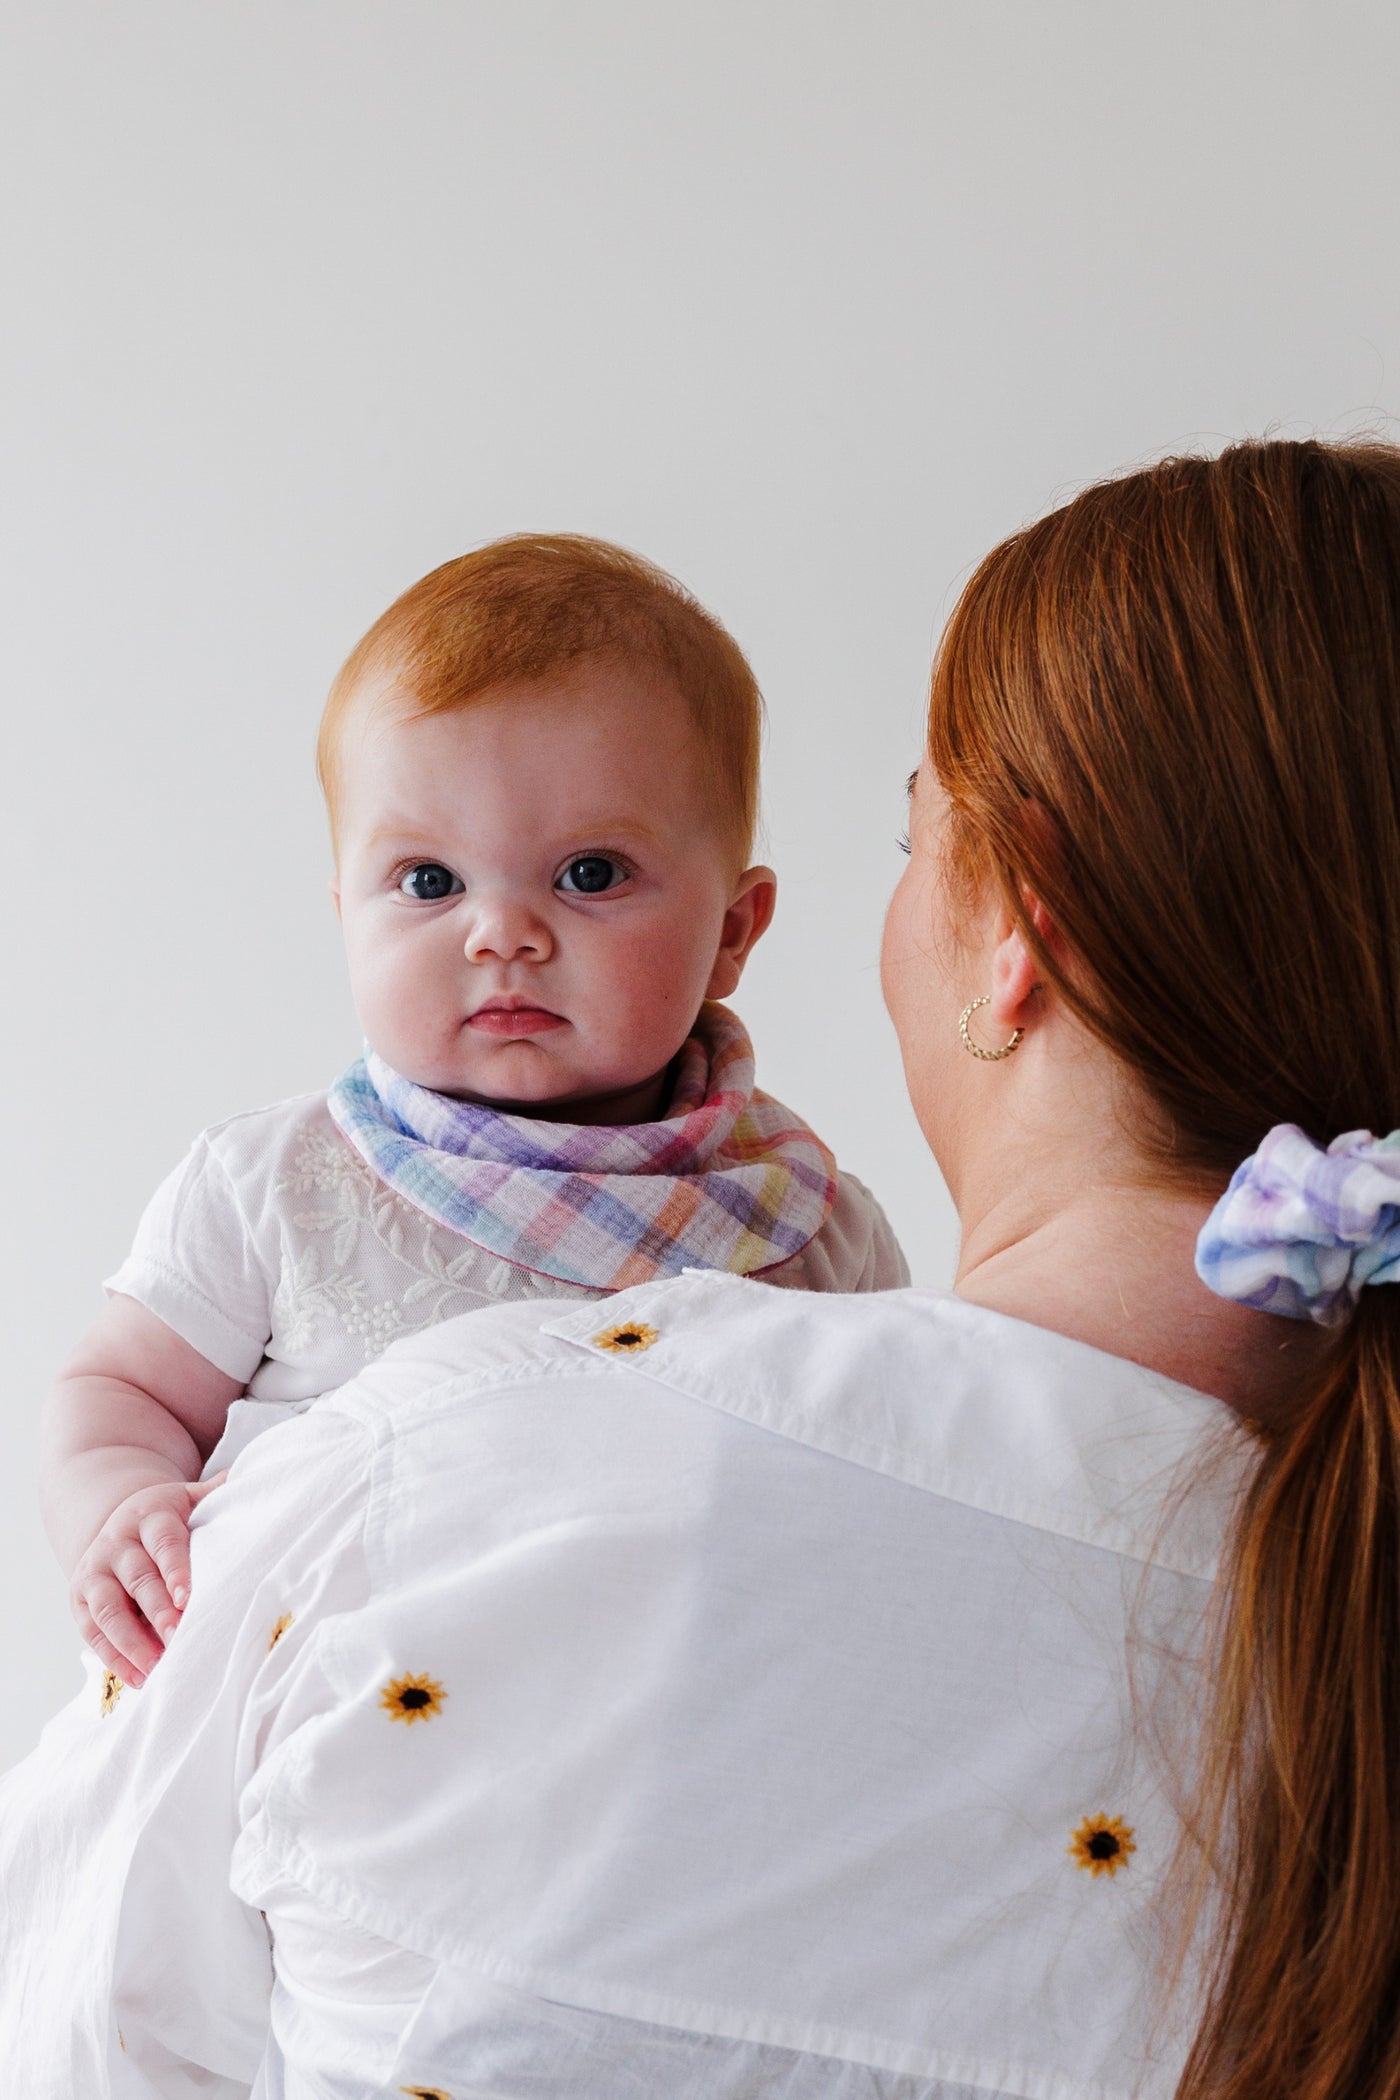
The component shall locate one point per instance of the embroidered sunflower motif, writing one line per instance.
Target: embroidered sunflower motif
(1102, 1844)
(112, 1689)
(633, 1335)
(412, 1699)
(278, 1630)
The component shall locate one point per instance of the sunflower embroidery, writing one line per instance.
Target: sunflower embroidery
(412, 1699)
(1102, 1844)
(633, 1335)
(278, 1630)
(112, 1689)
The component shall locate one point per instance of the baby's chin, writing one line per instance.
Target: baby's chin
(549, 1078)
(611, 1098)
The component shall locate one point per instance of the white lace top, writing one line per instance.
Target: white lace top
(278, 1254)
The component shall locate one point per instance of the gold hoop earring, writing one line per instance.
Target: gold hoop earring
(989, 1057)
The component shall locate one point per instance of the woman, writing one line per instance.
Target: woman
(814, 1695)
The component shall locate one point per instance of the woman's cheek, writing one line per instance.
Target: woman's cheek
(894, 960)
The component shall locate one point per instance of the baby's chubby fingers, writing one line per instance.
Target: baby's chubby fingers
(145, 1586)
(164, 1531)
(115, 1629)
(109, 1657)
(165, 1534)
(120, 1593)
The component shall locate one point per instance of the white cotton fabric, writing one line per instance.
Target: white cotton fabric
(277, 1252)
(779, 1660)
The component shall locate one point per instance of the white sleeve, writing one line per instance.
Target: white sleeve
(128, 1969)
(196, 1263)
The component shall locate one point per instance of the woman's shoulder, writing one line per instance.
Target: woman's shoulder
(918, 1385)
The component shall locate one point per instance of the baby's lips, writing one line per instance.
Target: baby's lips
(514, 1020)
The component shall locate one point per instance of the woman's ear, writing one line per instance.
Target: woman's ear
(1045, 849)
(746, 920)
(1016, 971)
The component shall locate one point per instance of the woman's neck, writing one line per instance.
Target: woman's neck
(1114, 1266)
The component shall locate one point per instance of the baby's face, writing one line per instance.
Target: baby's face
(534, 894)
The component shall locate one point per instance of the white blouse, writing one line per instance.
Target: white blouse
(716, 1692)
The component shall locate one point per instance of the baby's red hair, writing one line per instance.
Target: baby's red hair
(538, 605)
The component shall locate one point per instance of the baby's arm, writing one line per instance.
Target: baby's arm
(133, 1415)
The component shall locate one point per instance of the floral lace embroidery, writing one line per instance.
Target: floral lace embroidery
(319, 1284)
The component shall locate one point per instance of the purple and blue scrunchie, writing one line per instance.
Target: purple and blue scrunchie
(1300, 1230)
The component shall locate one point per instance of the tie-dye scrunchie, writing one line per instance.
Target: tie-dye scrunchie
(727, 1179)
(1300, 1230)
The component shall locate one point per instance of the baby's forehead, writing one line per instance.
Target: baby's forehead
(371, 709)
(554, 751)
(632, 714)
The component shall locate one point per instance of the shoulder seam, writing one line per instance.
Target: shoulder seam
(247, 1115)
(385, 1419)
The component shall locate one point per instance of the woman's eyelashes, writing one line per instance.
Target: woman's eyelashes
(428, 880)
(903, 842)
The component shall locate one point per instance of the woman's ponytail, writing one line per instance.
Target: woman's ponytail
(1298, 1810)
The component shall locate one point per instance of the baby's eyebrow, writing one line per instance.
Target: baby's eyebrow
(397, 832)
(402, 833)
(619, 828)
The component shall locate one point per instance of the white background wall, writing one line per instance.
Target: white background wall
(809, 301)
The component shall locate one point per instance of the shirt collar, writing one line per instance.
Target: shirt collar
(949, 1397)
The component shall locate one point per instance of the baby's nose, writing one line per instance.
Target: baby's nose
(504, 930)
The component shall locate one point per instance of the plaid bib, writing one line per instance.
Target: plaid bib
(727, 1179)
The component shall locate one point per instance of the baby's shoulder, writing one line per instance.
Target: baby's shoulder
(854, 1250)
(274, 1137)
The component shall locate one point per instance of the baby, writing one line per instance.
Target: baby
(541, 769)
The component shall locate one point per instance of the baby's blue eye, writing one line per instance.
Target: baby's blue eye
(429, 881)
(591, 874)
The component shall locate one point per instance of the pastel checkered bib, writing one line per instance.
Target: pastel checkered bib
(727, 1179)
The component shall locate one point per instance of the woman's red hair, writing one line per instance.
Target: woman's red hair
(1195, 672)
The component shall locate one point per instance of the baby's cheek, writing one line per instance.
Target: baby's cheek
(404, 1008)
(656, 980)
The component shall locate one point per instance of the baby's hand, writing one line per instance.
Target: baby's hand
(140, 1558)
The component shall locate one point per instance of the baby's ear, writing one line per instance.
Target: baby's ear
(749, 915)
